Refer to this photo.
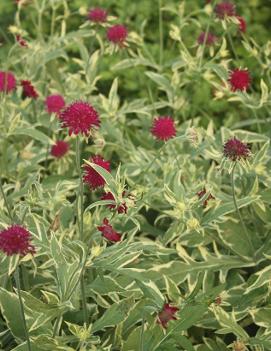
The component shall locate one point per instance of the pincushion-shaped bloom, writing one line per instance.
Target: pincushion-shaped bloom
(235, 149)
(54, 103)
(92, 177)
(60, 148)
(167, 314)
(29, 90)
(16, 240)
(79, 117)
(117, 34)
(225, 9)
(163, 128)
(108, 232)
(209, 197)
(239, 79)
(7, 82)
(122, 208)
(242, 24)
(97, 15)
(209, 39)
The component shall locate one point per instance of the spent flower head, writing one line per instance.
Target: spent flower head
(225, 9)
(235, 150)
(29, 90)
(167, 314)
(108, 232)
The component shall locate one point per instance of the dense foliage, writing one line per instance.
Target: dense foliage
(135, 175)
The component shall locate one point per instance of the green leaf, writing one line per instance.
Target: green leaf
(150, 290)
(33, 133)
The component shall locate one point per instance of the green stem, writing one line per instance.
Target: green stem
(238, 211)
(232, 46)
(154, 159)
(18, 286)
(161, 34)
(142, 335)
(80, 214)
(6, 201)
(57, 326)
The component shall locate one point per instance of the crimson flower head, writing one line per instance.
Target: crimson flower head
(209, 197)
(79, 117)
(7, 82)
(117, 34)
(21, 41)
(59, 149)
(209, 39)
(16, 240)
(242, 24)
(97, 15)
(122, 208)
(163, 128)
(167, 314)
(92, 177)
(108, 232)
(225, 9)
(54, 103)
(239, 79)
(29, 90)
(235, 149)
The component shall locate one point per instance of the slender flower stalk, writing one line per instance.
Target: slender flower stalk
(161, 33)
(6, 201)
(80, 214)
(238, 211)
(18, 286)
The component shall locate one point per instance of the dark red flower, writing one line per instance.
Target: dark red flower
(242, 24)
(235, 149)
(54, 103)
(239, 79)
(209, 197)
(93, 178)
(29, 90)
(163, 128)
(108, 232)
(122, 208)
(225, 9)
(117, 34)
(97, 15)
(60, 149)
(209, 39)
(16, 240)
(79, 117)
(167, 314)
(7, 82)
(21, 41)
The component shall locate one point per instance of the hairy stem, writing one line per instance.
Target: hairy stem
(18, 286)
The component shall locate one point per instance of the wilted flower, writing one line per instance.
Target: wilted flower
(79, 117)
(54, 103)
(92, 177)
(225, 9)
(97, 15)
(29, 90)
(108, 232)
(16, 240)
(60, 148)
(239, 79)
(167, 314)
(235, 149)
(122, 208)
(163, 128)
(209, 39)
(242, 24)
(21, 41)
(239, 346)
(7, 82)
(209, 197)
(117, 34)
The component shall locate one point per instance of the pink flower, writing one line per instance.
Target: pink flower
(239, 79)
(60, 149)
(79, 117)
(242, 24)
(209, 40)
(54, 103)
(108, 232)
(117, 34)
(97, 15)
(225, 9)
(92, 177)
(163, 128)
(16, 240)
(167, 314)
(122, 208)
(235, 149)
(7, 82)
(29, 90)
